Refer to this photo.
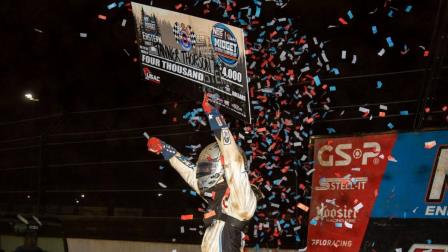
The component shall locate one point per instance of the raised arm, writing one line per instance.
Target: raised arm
(227, 144)
(180, 163)
(243, 200)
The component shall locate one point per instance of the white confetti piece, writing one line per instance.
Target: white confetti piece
(123, 23)
(343, 54)
(358, 207)
(348, 225)
(354, 59)
(162, 185)
(310, 171)
(364, 110)
(430, 144)
(381, 52)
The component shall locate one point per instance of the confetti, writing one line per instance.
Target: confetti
(348, 225)
(342, 21)
(358, 207)
(379, 84)
(178, 6)
(350, 14)
(430, 144)
(408, 9)
(102, 17)
(303, 207)
(111, 6)
(186, 217)
(389, 41)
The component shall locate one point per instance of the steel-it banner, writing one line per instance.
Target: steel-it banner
(384, 192)
(203, 51)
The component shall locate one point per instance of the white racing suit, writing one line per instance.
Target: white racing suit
(234, 197)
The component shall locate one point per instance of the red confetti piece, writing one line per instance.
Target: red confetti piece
(102, 17)
(426, 53)
(261, 129)
(178, 6)
(342, 21)
(186, 217)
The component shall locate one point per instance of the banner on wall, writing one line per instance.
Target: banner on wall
(209, 53)
(385, 192)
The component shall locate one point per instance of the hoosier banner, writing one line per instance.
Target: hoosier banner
(200, 50)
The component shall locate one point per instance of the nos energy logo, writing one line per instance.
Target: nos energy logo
(225, 44)
(416, 185)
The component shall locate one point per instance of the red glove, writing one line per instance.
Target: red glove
(205, 105)
(155, 145)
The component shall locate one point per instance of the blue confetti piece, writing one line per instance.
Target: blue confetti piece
(338, 224)
(350, 14)
(404, 112)
(193, 193)
(242, 22)
(390, 43)
(390, 125)
(408, 9)
(379, 84)
(331, 130)
(391, 13)
(313, 222)
(332, 88)
(111, 6)
(297, 238)
(257, 2)
(335, 71)
(257, 11)
(374, 29)
(429, 241)
(120, 4)
(277, 181)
